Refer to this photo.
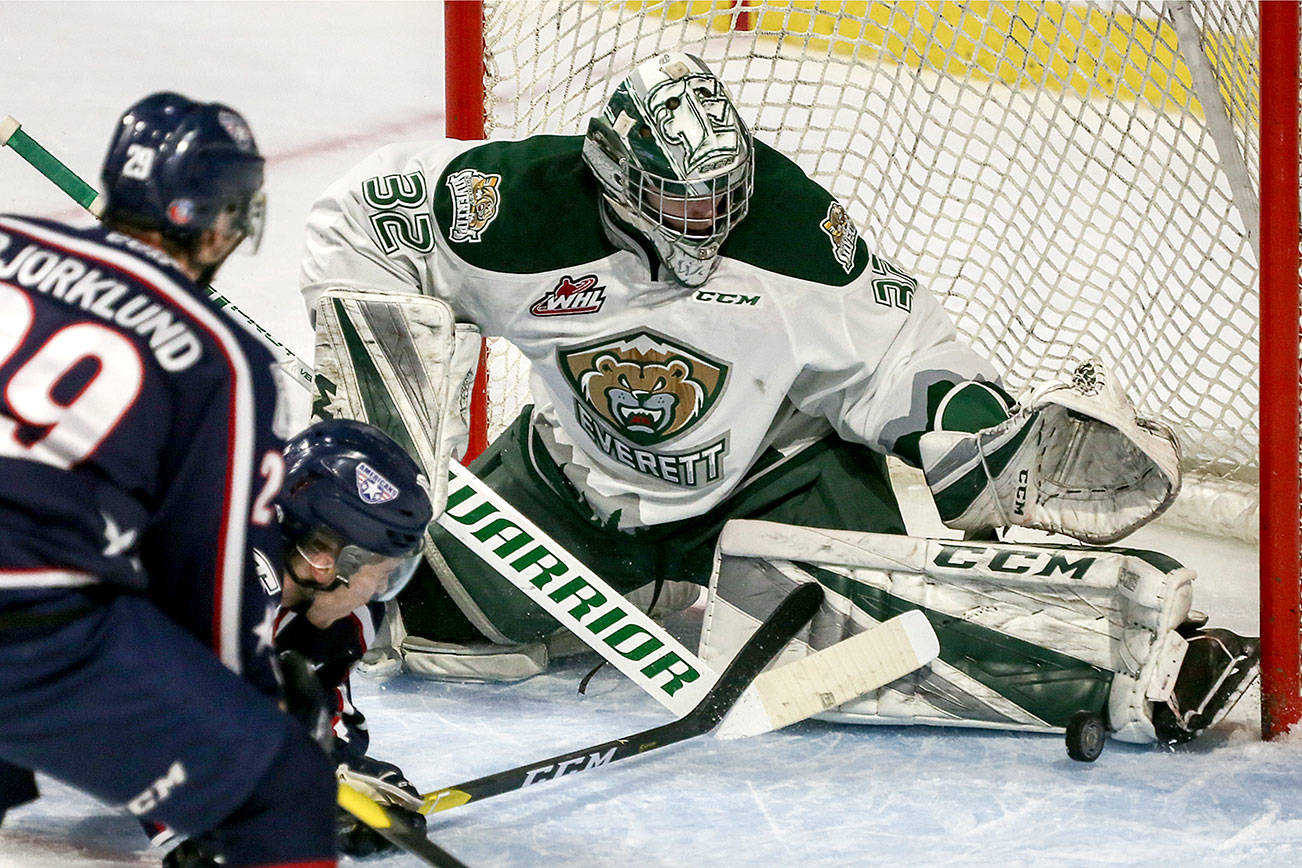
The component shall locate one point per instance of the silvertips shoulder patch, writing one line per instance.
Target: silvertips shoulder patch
(838, 227)
(476, 200)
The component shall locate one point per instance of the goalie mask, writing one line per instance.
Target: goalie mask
(674, 160)
(354, 509)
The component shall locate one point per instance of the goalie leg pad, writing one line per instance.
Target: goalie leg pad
(443, 661)
(1154, 604)
(400, 362)
(1029, 634)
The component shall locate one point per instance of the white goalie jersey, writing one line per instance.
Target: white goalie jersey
(655, 399)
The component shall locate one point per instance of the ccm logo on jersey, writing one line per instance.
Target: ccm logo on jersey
(726, 297)
(159, 790)
(571, 297)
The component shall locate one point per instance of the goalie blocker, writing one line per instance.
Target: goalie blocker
(1029, 634)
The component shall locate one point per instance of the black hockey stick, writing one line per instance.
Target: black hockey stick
(786, 620)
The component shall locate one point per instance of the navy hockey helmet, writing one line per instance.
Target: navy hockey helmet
(353, 500)
(173, 165)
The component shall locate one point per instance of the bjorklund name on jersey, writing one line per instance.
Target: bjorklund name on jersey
(68, 279)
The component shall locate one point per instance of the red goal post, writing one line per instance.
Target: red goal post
(464, 87)
(1070, 179)
(1281, 449)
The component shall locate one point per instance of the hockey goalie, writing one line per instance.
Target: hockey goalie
(712, 344)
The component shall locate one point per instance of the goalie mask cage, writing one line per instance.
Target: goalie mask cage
(1070, 180)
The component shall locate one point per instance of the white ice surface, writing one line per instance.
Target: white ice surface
(323, 84)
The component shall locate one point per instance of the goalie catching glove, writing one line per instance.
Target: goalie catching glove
(1074, 460)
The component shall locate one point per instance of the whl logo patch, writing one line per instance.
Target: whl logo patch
(646, 387)
(571, 297)
(372, 487)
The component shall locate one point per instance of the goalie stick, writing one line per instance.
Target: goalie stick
(778, 628)
(836, 674)
(903, 646)
(847, 669)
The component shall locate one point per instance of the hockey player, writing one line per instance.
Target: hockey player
(710, 341)
(140, 458)
(354, 512)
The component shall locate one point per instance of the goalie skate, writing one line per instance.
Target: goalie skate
(1218, 667)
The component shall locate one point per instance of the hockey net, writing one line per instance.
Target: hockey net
(1071, 180)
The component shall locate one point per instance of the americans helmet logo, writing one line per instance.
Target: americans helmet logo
(372, 487)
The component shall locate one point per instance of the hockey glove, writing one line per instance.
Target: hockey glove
(305, 698)
(1075, 460)
(385, 783)
(192, 853)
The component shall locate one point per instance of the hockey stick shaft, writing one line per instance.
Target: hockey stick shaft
(54, 169)
(11, 134)
(782, 624)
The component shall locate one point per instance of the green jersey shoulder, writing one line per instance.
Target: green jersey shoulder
(795, 227)
(522, 207)
(531, 205)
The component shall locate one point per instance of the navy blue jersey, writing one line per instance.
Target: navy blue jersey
(332, 651)
(137, 438)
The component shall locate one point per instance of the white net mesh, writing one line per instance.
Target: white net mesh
(1046, 169)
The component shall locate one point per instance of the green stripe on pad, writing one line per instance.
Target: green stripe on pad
(1048, 684)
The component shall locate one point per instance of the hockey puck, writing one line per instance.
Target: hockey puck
(1086, 734)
